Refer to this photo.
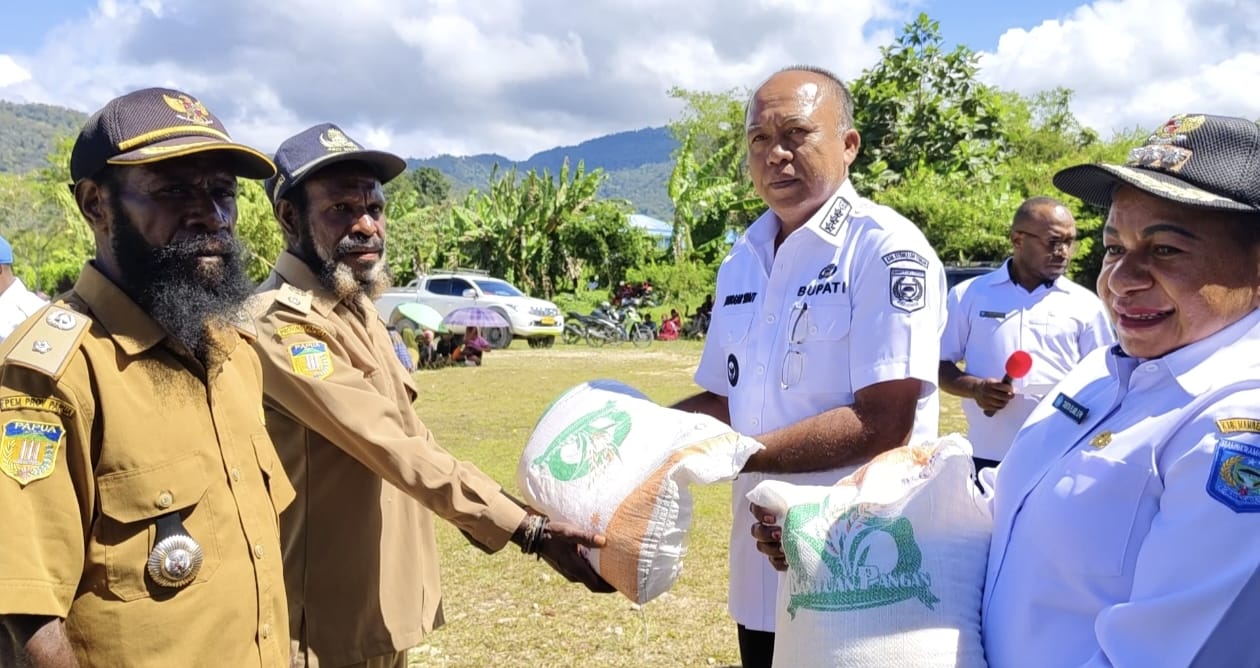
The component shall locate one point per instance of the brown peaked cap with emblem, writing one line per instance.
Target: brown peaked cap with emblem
(157, 124)
(1199, 160)
(317, 147)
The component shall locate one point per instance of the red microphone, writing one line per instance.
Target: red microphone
(1017, 366)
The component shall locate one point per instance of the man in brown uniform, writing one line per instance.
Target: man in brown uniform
(140, 492)
(360, 556)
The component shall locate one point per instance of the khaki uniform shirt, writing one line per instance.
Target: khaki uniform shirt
(106, 427)
(360, 555)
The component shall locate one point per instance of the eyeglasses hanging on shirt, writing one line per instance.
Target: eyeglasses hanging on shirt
(794, 359)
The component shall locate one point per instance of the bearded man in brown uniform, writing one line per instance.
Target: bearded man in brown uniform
(140, 492)
(360, 555)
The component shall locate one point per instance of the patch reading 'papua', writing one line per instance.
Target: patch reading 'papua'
(905, 256)
(1236, 425)
(25, 402)
(311, 359)
(28, 450)
(1234, 478)
(303, 328)
(835, 219)
(907, 288)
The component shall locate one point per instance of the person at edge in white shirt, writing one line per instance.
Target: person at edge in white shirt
(1127, 512)
(1026, 304)
(16, 302)
(825, 335)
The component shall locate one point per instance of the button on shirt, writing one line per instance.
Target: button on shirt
(991, 316)
(144, 430)
(1109, 547)
(851, 299)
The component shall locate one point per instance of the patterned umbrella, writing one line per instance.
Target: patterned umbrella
(474, 316)
(423, 315)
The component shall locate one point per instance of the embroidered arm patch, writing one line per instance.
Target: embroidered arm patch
(1234, 479)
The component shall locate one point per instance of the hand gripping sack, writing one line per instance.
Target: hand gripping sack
(606, 458)
(886, 568)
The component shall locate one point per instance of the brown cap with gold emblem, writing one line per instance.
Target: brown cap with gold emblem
(1203, 161)
(157, 124)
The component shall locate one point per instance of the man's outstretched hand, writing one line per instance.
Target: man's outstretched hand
(563, 546)
(769, 537)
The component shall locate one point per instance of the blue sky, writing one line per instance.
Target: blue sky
(422, 77)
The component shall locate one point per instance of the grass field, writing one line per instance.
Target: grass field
(508, 610)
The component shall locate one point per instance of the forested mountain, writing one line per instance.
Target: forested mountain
(28, 131)
(638, 162)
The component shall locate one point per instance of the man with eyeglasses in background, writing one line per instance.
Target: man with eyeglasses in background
(825, 334)
(1026, 304)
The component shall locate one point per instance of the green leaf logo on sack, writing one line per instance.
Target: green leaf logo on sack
(587, 445)
(862, 560)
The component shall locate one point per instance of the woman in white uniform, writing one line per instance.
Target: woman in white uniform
(1127, 513)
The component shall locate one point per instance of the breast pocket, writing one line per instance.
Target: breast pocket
(132, 500)
(1090, 512)
(818, 351)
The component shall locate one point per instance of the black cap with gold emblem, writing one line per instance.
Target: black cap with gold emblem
(321, 145)
(156, 124)
(1202, 161)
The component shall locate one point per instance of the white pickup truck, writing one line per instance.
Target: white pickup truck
(535, 320)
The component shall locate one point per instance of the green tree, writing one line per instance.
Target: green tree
(921, 105)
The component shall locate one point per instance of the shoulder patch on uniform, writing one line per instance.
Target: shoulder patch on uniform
(26, 402)
(904, 256)
(28, 450)
(311, 359)
(1236, 425)
(48, 345)
(303, 328)
(294, 298)
(1234, 478)
(907, 288)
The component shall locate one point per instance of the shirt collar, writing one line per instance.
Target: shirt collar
(1198, 366)
(127, 324)
(766, 227)
(1008, 276)
(295, 272)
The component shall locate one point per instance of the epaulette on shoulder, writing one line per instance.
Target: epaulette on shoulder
(294, 298)
(50, 343)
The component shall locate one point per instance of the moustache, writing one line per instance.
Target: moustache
(212, 243)
(353, 245)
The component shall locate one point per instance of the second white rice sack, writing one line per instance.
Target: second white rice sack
(606, 458)
(885, 568)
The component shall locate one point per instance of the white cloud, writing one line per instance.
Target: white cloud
(11, 72)
(433, 76)
(1134, 63)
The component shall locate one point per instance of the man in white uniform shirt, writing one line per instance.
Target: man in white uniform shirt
(16, 302)
(1126, 516)
(825, 337)
(1026, 304)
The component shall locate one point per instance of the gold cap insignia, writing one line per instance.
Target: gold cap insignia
(189, 109)
(336, 141)
(1179, 125)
